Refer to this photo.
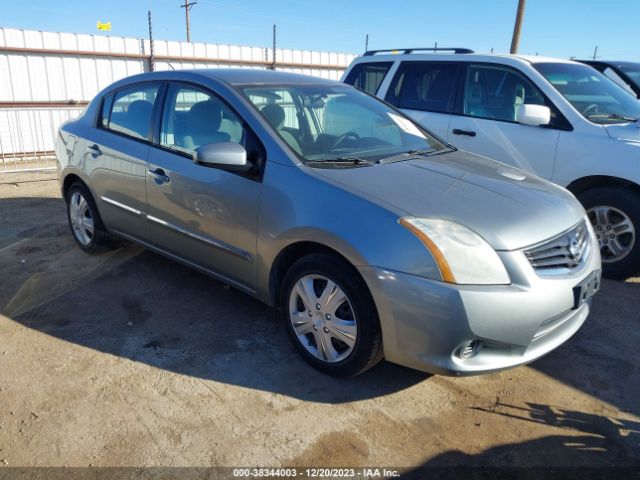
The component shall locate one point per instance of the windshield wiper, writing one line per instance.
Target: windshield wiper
(352, 160)
(406, 155)
(613, 116)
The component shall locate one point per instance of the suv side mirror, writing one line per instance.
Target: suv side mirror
(534, 115)
(226, 155)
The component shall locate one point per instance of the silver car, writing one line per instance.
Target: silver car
(374, 238)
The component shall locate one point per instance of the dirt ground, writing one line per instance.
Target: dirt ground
(129, 359)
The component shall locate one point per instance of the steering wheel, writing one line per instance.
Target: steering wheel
(590, 110)
(344, 136)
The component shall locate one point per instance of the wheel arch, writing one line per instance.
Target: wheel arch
(593, 181)
(292, 253)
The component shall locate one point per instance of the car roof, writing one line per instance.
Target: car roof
(237, 76)
(622, 63)
(477, 57)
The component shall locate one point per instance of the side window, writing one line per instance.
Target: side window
(129, 111)
(496, 93)
(192, 118)
(423, 86)
(368, 76)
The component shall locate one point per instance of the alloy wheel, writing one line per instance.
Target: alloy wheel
(615, 232)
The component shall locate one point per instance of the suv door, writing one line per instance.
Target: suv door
(487, 125)
(426, 92)
(204, 215)
(115, 156)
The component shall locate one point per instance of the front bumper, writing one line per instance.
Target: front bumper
(424, 321)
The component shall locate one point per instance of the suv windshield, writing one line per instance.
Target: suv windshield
(632, 70)
(331, 123)
(595, 96)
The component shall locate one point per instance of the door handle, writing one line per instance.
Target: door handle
(94, 150)
(159, 176)
(457, 131)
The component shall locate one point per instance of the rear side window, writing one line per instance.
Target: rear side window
(129, 111)
(426, 86)
(368, 76)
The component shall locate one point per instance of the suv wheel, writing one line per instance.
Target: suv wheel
(615, 216)
(86, 226)
(330, 316)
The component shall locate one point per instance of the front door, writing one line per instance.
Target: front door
(490, 101)
(208, 216)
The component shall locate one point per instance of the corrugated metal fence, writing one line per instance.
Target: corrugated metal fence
(47, 78)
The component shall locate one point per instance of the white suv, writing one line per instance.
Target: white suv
(562, 120)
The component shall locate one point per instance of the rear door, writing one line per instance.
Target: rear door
(486, 123)
(205, 215)
(115, 156)
(425, 91)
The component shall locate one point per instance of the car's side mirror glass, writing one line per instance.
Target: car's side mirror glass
(226, 155)
(534, 115)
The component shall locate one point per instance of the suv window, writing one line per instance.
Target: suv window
(130, 111)
(368, 76)
(423, 86)
(495, 92)
(192, 118)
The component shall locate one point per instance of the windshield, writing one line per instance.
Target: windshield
(595, 96)
(337, 122)
(632, 71)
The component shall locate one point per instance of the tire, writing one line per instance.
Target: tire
(615, 215)
(355, 316)
(84, 220)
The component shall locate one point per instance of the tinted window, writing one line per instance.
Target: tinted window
(423, 86)
(131, 111)
(495, 92)
(192, 118)
(368, 76)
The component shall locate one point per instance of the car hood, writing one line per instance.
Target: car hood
(509, 208)
(625, 131)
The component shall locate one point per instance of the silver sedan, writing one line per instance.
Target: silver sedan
(372, 237)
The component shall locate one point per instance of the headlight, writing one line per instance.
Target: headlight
(462, 255)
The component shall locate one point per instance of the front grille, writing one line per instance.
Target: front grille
(562, 253)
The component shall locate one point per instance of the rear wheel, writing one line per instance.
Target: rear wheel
(615, 216)
(330, 316)
(86, 226)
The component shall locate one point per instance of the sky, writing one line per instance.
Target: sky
(557, 28)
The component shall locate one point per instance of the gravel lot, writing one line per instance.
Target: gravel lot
(129, 359)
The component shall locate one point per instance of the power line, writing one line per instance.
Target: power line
(187, 6)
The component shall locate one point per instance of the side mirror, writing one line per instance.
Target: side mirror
(226, 155)
(534, 115)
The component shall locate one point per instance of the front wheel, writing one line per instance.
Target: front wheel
(330, 316)
(615, 216)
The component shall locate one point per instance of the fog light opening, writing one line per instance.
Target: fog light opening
(468, 349)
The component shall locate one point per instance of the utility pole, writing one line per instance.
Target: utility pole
(515, 40)
(187, 6)
(595, 52)
(273, 64)
(366, 43)
(151, 65)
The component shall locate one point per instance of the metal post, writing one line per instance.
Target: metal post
(366, 43)
(151, 65)
(595, 52)
(517, 28)
(273, 64)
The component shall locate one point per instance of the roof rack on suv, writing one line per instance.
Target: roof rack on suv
(411, 50)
